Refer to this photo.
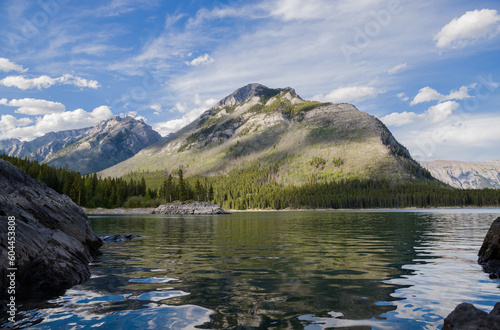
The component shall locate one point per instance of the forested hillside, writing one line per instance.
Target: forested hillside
(253, 188)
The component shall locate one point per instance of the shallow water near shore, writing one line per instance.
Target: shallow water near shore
(369, 269)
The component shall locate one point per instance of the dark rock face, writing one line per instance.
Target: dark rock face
(54, 242)
(466, 316)
(489, 253)
(120, 238)
(189, 208)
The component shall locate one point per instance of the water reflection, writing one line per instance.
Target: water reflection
(301, 269)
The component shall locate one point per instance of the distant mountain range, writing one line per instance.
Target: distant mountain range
(87, 150)
(257, 126)
(466, 175)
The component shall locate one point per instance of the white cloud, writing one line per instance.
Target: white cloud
(461, 139)
(34, 107)
(6, 66)
(9, 122)
(174, 125)
(399, 118)
(403, 97)
(297, 9)
(52, 123)
(473, 25)
(434, 114)
(397, 68)
(441, 111)
(180, 107)
(428, 94)
(349, 94)
(44, 81)
(201, 60)
(157, 108)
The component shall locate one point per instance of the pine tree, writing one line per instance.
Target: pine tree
(182, 186)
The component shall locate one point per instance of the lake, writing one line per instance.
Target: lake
(295, 270)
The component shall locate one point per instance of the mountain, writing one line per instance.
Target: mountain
(257, 126)
(91, 149)
(466, 175)
(45, 146)
(5, 144)
(108, 143)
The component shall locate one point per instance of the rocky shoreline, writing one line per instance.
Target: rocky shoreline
(50, 242)
(196, 208)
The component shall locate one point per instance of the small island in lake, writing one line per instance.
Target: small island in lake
(190, 208)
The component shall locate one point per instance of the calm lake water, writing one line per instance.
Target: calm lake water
(312, 270)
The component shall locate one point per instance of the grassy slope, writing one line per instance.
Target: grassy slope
(307, 140)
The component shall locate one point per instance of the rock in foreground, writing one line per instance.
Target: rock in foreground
(466, 316)
(489, 253)
(54, 242)
(189, 208)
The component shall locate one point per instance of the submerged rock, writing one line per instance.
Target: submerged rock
(189, 208)
(120, 238)
(466, 316)
(54, 242)
(489, 253)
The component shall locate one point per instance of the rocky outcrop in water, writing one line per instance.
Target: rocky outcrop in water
(54, 242)
(120, 238)
(466, 316)
(189, 208)
(489, 253)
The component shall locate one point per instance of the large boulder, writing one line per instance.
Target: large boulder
(467, 317)
(54, 242)
(489, 253)
(189, 208)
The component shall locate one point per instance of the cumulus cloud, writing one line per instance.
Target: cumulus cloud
(428, 94)
(434, 114)
(174, 125)
(473, 25)
(8, 122)
(34, 107)
(11, 127)
(201, 60)
(397, 68)
(24, 83)
(7, 66)
(349, 94)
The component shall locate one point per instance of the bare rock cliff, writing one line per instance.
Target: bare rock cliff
(54, 242)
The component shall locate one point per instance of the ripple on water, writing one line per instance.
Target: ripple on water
(153, 280)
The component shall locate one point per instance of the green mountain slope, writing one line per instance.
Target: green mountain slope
(302, 141)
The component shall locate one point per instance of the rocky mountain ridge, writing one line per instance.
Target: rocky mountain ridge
(89, 149)
(303, 140)
(466, 175)
(45, 146)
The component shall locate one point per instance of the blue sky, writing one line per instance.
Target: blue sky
(429, 70)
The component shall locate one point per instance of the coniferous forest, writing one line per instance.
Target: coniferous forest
(251, 188)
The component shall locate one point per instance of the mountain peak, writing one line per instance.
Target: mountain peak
(245, 93)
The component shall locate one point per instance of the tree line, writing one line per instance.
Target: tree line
(91, 191)
(255, 187)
